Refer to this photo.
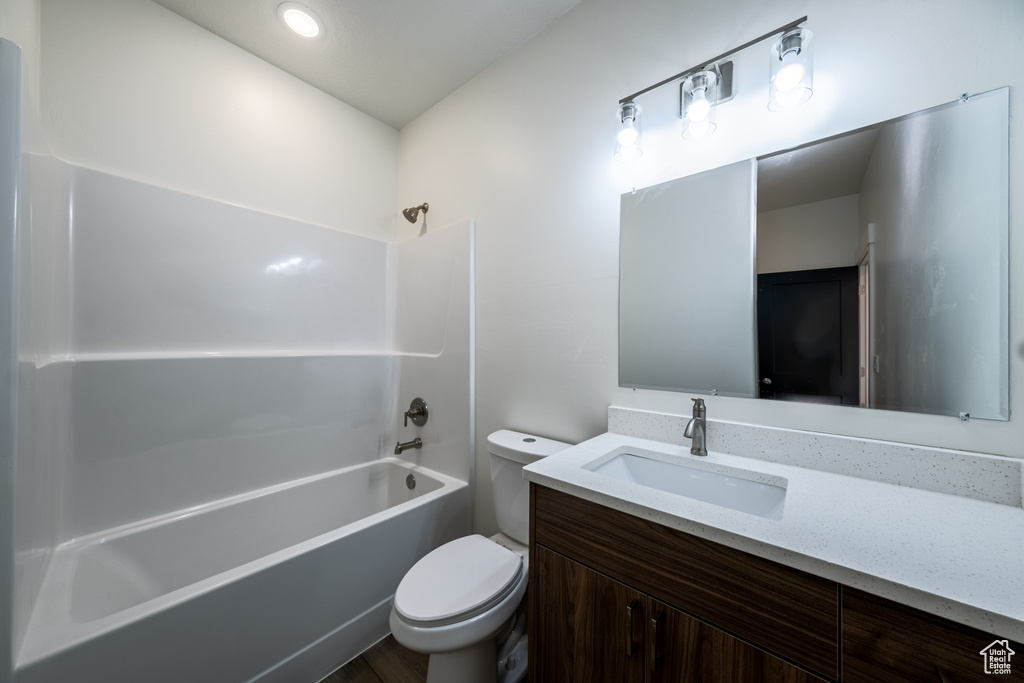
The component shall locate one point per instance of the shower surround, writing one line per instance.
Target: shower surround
(177, 352)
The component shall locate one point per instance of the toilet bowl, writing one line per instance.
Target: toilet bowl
(463, 603)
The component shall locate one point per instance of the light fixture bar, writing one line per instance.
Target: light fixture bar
(782, 29)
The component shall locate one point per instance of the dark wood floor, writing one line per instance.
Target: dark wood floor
(385, 662)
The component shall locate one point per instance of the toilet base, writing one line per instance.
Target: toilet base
(474, 664)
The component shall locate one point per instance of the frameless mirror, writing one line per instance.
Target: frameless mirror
(871, 270)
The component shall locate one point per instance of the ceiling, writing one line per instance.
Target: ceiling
(816, 172)
(391, 59)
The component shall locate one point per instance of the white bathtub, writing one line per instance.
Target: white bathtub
(282, 584)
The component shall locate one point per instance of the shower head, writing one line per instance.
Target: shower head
(413, 213)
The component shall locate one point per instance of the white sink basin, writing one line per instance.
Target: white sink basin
(726, 487)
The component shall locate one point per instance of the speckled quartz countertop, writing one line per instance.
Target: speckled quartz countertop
(949, 555)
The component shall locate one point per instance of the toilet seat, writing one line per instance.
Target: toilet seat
(457, 582)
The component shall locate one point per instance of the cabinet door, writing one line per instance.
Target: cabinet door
(587, 628)
(884, 642)
(682, 649)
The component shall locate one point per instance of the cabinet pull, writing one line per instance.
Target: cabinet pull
(653, 646)
(943, 678)
(630, 641)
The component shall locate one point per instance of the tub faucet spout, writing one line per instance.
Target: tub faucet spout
(696, 428)
(415, 443)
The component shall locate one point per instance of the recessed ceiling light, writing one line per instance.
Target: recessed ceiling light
(300, 19)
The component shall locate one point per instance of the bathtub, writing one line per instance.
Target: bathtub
(281, 584)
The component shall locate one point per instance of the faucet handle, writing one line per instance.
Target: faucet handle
(418, 412)
(699, 409)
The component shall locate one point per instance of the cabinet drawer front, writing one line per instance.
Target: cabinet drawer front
(783, 610)
(884, 642)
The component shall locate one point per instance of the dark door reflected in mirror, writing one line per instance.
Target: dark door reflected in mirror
(807, 336)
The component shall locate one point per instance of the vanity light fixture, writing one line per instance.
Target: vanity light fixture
(300, 19)
(710, 83)
(628, 139)
(791, 79)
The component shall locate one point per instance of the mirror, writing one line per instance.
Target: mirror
(869, 269)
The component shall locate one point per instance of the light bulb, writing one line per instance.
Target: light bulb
(300, 19)
(699, 107)
(790, 75)
(629, 134)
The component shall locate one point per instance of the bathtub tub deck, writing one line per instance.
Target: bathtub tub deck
(281, 584)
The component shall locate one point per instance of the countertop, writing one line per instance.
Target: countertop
(952, 556)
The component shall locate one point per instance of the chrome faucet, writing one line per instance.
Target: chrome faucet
(696, 428)
(415, 443)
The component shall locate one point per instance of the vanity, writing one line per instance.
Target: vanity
(860, 571)
(834, 273)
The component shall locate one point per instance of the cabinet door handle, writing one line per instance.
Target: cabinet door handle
(630, 628)
(653, 647)
(943, 678)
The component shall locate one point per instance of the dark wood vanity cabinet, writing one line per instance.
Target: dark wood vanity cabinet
(599, 630)
(617, 598)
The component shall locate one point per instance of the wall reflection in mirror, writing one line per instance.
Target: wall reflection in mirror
(869, 269)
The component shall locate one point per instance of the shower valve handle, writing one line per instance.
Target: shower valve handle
(417, 412)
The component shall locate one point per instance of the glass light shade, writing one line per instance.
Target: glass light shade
(791, 74)
(300, 19)
(698, 130)
(700, 94)
(628, 138)
(629, 153)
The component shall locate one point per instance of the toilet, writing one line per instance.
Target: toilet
(463, 603)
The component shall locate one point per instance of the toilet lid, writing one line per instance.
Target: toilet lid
(457, 581)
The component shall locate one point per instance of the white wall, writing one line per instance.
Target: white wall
(526, 149)
(133, 89)
(817, 235)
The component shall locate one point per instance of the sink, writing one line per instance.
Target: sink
(722, 486)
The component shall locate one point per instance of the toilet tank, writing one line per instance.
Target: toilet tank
(509, 452)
